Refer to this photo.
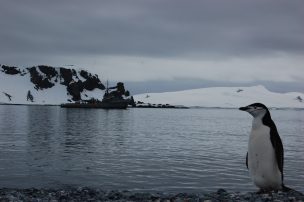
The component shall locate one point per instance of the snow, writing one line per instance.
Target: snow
(18, 86)
(225, 97)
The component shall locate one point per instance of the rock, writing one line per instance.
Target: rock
(84, 74)
(50, 72)
(88, 194)
(10, 70)
(38, 80)
(66, 74)
(75, 89)
(93, 82)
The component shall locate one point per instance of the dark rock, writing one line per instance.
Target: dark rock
(87, 194)
(84, 74)
(114, 195)
(38, 80)
(120, 88)
(10, 70)
(75, 89)
(140, 197)
(66, 74)
(74, 73)
(93, 82)
(29, 96)
(8, 96)
(221, 191)
(299, 98)
(50, 72)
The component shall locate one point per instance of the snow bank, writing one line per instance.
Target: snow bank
(226, 97)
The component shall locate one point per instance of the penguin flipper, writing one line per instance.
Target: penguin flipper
(247, 160)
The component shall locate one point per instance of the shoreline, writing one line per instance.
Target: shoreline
(91, 194)
(140, 107)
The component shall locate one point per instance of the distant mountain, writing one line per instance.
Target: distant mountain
(225, 97)
(47, 85)
(55, 85)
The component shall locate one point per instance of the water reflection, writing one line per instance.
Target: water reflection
(137, 149)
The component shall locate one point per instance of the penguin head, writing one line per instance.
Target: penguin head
(255, 109)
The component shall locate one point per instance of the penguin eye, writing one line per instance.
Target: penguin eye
(255, 107)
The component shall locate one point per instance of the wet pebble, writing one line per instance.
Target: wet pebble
(87, 194)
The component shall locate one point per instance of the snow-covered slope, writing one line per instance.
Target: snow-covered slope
(47, 85)
(52, 85)
(230, 97)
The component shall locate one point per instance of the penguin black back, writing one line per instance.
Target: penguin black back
(275, 140)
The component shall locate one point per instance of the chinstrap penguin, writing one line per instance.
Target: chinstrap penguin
(265, 156)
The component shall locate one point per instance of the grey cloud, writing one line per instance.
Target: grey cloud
(152, 28)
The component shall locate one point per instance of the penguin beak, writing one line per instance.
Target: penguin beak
(243, 108)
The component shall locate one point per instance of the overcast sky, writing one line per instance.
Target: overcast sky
(178, 44)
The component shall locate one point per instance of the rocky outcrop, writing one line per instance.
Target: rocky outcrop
(66, 75)
(10, 70)
(29, 96)
(84, 74)
(50, 72)
(38, 80)
(75, 89)
(93, 82)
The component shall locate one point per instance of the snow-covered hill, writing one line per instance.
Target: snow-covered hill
(47, 85)
(226, 97)
(56, 85)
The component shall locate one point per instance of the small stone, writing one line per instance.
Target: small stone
(221, 191)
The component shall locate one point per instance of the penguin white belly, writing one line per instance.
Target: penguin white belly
(262, 162)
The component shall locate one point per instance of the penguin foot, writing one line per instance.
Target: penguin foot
(264, 191)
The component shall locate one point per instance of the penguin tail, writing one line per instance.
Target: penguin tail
(288, 189)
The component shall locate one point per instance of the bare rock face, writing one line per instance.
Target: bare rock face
(93, 82)
(66, 75)
(75, 89)
(10, 70)
(39, 81)
(84, 74)
(50, 72)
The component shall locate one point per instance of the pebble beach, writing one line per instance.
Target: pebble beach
(89, 194)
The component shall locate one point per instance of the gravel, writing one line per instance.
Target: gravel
(89, 194)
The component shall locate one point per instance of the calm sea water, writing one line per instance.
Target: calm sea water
(167, 150)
